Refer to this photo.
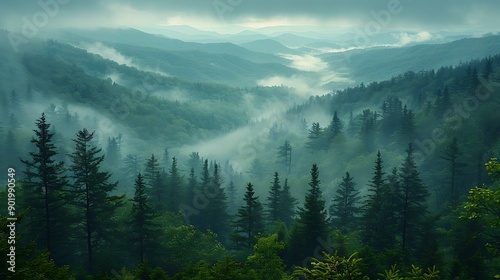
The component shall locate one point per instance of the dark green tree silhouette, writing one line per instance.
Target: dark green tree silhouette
(249, 221)
(345, 204)
(44, 192)
(92, 194)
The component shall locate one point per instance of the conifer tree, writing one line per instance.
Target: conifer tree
(175, 187)
(377, 211)
(92, 194)
(249, 221)
(44, 192)
(344, 208)
(154, 181)
(143, 233)
(311, 223)
(274, 199)
(335, 127)
(412, 201)
(288, 204)
(451, 155)
(285, 153)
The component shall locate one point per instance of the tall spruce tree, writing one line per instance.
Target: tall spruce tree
(377, 219)
(288, 204)
(44, 192)
(249, 220)
(312, 222)
(345, 204)
(92, 194)
(412, 201)
(142, 215)
(154, 181)
(274, 199)
(451, 155)
(214, 217)
(335, 127)
(175, 187)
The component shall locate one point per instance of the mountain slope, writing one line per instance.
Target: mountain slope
(382, 63)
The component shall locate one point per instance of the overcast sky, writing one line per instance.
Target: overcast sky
(227, 16)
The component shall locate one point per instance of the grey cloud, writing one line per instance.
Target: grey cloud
(423, 14)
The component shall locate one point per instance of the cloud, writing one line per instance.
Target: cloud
(307, 62)
(108, 53)
(415, 15)
(405, 38)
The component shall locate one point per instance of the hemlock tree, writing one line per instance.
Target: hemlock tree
(43, 191)
(91, 191)
(311, 223)
(274, 199)
(142, 219)
(249, 220)
(412, 201)
(344, 208)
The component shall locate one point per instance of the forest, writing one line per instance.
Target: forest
(395, 179)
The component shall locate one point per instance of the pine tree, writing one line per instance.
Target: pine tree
(249, 220)
(412, 201)
(311, 223)
(44, 192)
(91, 189)
(288, 204)
(274, 199)
(344, 208)
(143, 225)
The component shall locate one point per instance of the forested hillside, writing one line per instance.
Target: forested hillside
(123, 173)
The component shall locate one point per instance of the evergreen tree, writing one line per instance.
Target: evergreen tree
(92, 194)
(166, 158)
(451, 155)
(285, 153)
(43, 192)
(274, 199)
(214, 216)
(143, 233)
(131, 167)
(315, 137)
(335, 127)
(377, 211)
(407, 126)
(288, 204)
(175, 187)
(113, 154)
(231, 194)
(249, 220)
(311, 223)
(412, 201)
(154, 181)
(344, 208)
